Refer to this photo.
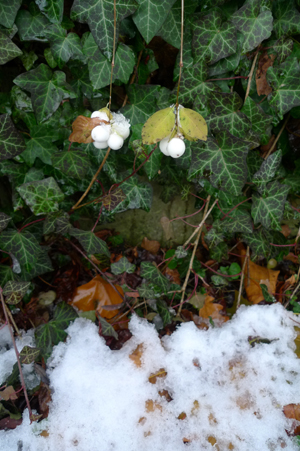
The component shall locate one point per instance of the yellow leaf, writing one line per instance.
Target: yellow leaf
(158, 126)
(192, 125)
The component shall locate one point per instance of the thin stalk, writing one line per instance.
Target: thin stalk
(133, 75)
(278, 136)
(251, 75)
(113, 55)
(181, 51)
(242, 278)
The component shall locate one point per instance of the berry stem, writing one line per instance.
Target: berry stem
(181, 52)
(113, 55)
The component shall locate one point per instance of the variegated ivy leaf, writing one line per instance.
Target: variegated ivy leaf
(63, 46)
(23, 245)
(32, 24)
(150, 16)
(237, 222)
(99, 15)
(138, 195)
(268, 209)
(74, 163)
(261, 122)
(11, 141)
(267, 170)
(106, 328)
(53, 9)
(18, 288)
(47, 90)
(4, 220)
(8, 12)
(39, 145)
(90, 242)
(226, 114)
(142, 103)
(121, 266)
(284, 80)
(42, 196)
(112, 200)
(212, 39)
(57, 221)
(29, 354)
(42, 265)
(283, 47)
(231, 62)
(259, 245)
(152, 274)
(286, 18)
(193, 84)
(223, 158)
(8, 50)
(255, 22)
(6, 274)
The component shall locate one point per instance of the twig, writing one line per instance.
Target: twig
(181, 51)
(251, 75)
(113, 55)
(277, 137)
(17, 356)
(12, 320)
(205, 216)
(199, 230)
(295, 290)
(242, 278)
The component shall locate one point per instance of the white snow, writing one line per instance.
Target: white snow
(231, 393)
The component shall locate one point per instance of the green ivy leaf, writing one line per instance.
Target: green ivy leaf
(42, 196)
(8, 50)
(219, 252)
(73, 163)
(231, 62)
(23, 245)
(193, 83)
(90, 242)
(142, 103)
(112, 200)
(31, 27)
(150, 272)
(40, 145)
(41, 266)
(124, 63)
(53, 9)
(238, 221)
(28, 59)
(226, 114)
(106, 328)
(63, 46)
(6, 274)
(4, 220)
(287, 18)
(11, 140)
(162, 309)
(150, 16)
(261, 122)
(152, 166)
(99, 14)
(50, 334)
(225, 159)
(8, 12)
(255, 22)
(258, 243)
(283, 47)
(212, 39)
(50, 58)
(121, 266)
(47, 89)
(28, 355)
(284, 80)
(267, 170)
(268, 210)
(16, 287)
(138, 194)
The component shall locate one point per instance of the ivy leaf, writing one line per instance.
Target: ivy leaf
(268, 209)
(231, 62)
(193, 83)
(238, 222)
(42, 196)
(106, 328)
(213, 40)
(73, 163)
(138, 194)
(28, 355)
(220, 252)
(50, 334)
(226, 114)
(152, 166)
(40, 145)
(142, 103)
(50, 223)
(90, 242)
(31, 27)
(261, 122)
(121, 266)
(284, 81)
(99, 14)
(8, 12)
(47, 89)
(23, 245)
(164, 312)
(225, 159)
(150, 272)
(8, 50)
(287, 18)
(63, 46)
(16, 287)
(283, 47)
(112, 200)
(124, 63)
(53, 9)
(41, 266)
(28, 59)
(258, 243)
(255, 22)
(267, 170)
(11, 140)
(150, 16)
(4, 220)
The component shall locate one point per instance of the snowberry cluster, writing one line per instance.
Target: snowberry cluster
(174, 147)
(112, 131)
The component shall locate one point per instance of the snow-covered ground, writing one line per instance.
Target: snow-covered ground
(229, 395)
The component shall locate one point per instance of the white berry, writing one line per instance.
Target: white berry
(163, 145)
(120, 125)
(101, 132)
(100, 115)
(100, 145)
(115, 141)
(176, 147)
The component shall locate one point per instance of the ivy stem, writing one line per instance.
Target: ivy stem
(181, 51)
(77, 205)
(242, 277)
(251, 75)
(17, 356)
(278, 136)
(228, 78)
(30, 223)
(113, 55)
(198, 231)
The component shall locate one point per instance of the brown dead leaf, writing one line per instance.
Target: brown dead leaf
(285, 230)
(160, 373)
(292, 411)
(44, 398)
(150, 245)
(8, 393)
(212, 310)
(262, 86)
(151, 406)
(172, 275)
(82, 128)
(254, 276)
(136, 355)
(297, 342)
(292, 258)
